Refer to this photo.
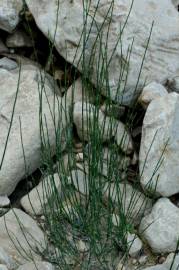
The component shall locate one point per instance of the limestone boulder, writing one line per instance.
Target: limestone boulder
(160, 228)
(161, 60)
(9, 14)
(159, 149)
(23, 152)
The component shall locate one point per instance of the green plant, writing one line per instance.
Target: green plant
(71, 216)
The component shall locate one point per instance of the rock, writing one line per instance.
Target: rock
(77, 92)
(8, 64)
(106, 127)
(160, 228)
(80, 180)
(163, 51)
(3, 48)
(6, 259)
(20, 236)
(26, 110)
(171, 263)
(175, 3)
(134, 244)
(113, 110)
(160, 136)
(143, 259)
(18, 39)
(37, 265)
(4, 201)
(128, 200)
(35, 201)
(3, 267)
(9, 14)
(150, 92)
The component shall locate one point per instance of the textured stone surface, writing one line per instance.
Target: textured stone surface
(160, 132)
(169, 264)
(134, 244)
(4, 201)
(26, 110)
(161, 59)
(9, 14)
(16, 229)
(131, 201)
(160, 228)
(6, 259)
(150, 92)
(18, 39)
(8, 64)
(107, 127)
(39, 196)
(36, 265)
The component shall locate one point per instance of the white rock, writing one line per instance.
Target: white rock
(128, 201)
(160, 228)
(134, 244)
(160, 132)
(8, 64)
(161, 60)
(37, 265)
(169, 264)
(26, 109)
(9, 14)
(18, 39)
(3, 267)
(78, 92)
(80, 180)
(107, 127)
(6, 259)
(16, 229)
(150, 92)
(35, 201)
(4, 201)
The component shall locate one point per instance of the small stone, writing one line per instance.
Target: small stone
(150, 92)
(160, 228)
(38, 197)
(161, 259)
(113, 110)
(143, 259)
(8, 64)
(115, 220)
(134, 244)
(6, 259)
(120, 266)
(79, 157)
(80, 180)
(3, 267)
(82, 247)
(4, 201)
(18, 39)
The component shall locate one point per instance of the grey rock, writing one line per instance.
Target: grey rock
(26, 110)
(160, 228)
(6, 259)
(18, 39)
(163, 51)
(3, 267)
(159, 145)
(171, 263)
(150, 92)
(20, 232)
(132, 202)
(134, 244)
(35, 201)
(4, 201)
(37, 265)
(9, 14)
(8, 64)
